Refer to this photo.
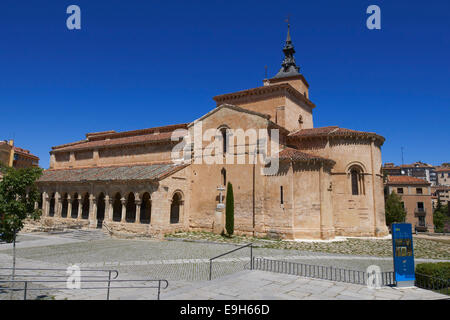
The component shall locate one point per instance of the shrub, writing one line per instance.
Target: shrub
(229, 210)
(438, 270)
(433, 276)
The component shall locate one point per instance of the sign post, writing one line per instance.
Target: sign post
(402, 248)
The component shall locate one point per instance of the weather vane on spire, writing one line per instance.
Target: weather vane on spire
(288, 67)
(287, 20)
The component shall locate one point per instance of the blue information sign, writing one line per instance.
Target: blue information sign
(402, 248)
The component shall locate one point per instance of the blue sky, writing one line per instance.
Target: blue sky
(138, 64)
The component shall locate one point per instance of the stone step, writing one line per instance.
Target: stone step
(83, 234)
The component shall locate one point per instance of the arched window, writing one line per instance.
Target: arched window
(146, 208)
(223, 172)
(75, 205)
(65, 205)
(117, 208)
(131, 208)
(175, 208)
(100, 209)
(85, 210)
(357, 180)
(223, 133)
(51, 211)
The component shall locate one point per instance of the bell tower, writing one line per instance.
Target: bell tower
(290, 72)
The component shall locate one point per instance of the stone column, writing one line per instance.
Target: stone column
(124, 209)
(58, 206)
(44, 204)
(108, 207)
(92, 211)
(138, 211)
(69, 206)
(80, 207)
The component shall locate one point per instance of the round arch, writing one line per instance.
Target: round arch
(176, 206)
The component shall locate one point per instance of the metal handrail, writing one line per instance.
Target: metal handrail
(109, 271)
(108, 287)
(429, 282)
(224, 254)
(319, 272)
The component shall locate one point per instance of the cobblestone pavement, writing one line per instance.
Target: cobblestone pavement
(183, 264)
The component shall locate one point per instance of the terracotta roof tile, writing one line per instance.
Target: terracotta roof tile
(113, 173)
(282, 87)
(332, 131)
(25, 153)
(297, 155)
(405, 180)
(108, 138)
(147, 138)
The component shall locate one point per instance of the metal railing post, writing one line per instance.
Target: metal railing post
(109, 285)
(25, 290)
(210, 269)
(251, 257)
(159, 288)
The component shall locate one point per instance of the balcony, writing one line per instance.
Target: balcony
(421, 227)
(420, 212)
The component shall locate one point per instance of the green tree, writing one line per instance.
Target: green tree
(440, 217)
(394, 209)
(18, 194)
(229, 210)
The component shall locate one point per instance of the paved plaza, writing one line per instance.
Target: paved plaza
(186, 267)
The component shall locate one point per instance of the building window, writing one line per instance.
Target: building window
(224, 176)
(175, 208)
(356, 180)
(419, 191)
(403, 205)
(281, 195)
(224, 135)
(420, 207)
(400, 190)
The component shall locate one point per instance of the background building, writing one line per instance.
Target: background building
(443, 176)
(416, 199)
(16, 157)
(7, 153)
(417, 169)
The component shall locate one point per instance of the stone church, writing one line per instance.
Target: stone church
(327, 183)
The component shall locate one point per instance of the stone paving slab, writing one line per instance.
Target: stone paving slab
(186, 266)
(247, 285)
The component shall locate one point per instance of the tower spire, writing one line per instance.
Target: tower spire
(288, 67)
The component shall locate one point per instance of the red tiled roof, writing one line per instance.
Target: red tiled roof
(440, 188)
(111, 173)
(405, 180)
(282, 87)
(297, 155)
(25, 153)
(443, 169)
(332, 131)
(151, 135)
